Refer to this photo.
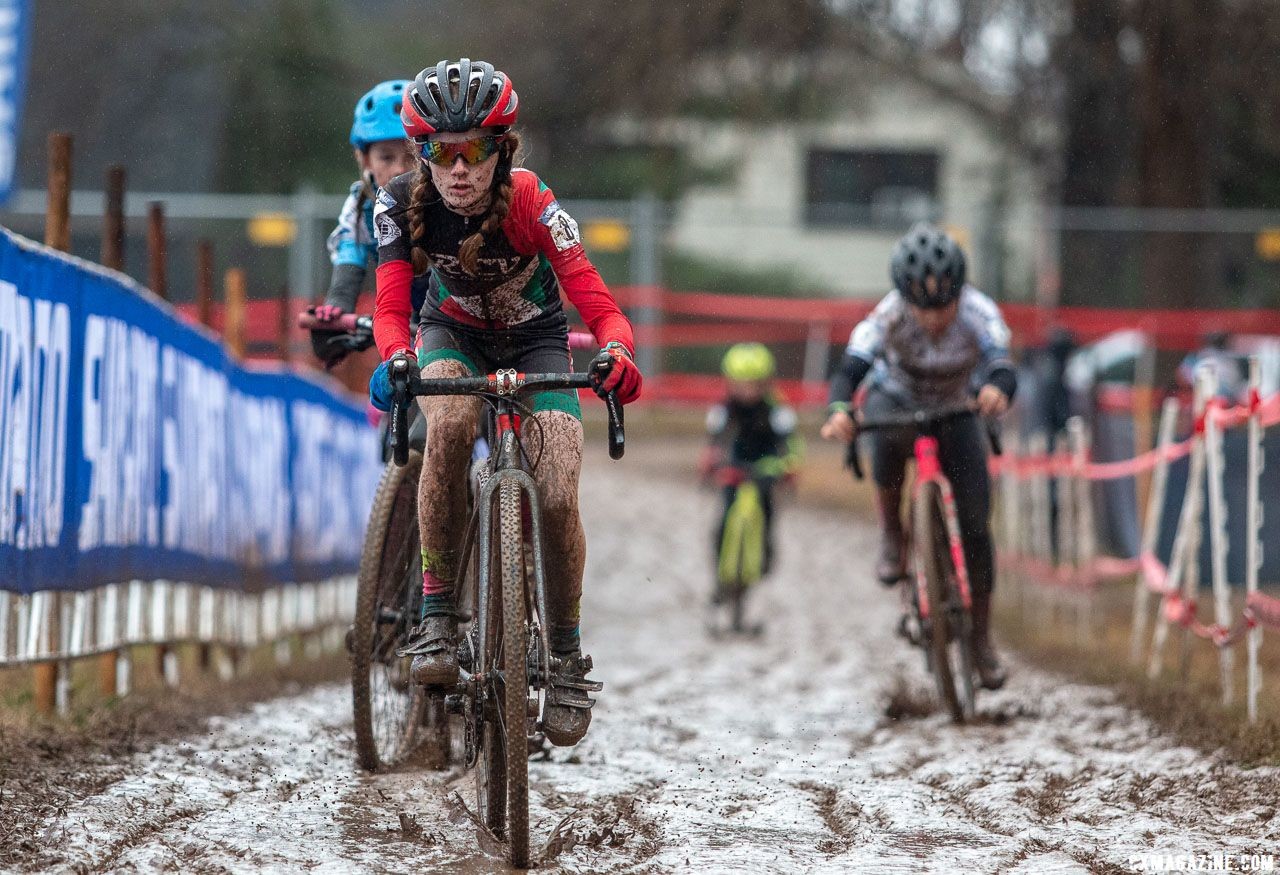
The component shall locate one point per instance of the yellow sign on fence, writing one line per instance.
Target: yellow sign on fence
(607, 235)
(272, 229)
(1267, 244)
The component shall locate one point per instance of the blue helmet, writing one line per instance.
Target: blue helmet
(377, 115)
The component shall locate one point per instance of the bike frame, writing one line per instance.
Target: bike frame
(929, 470)
(506, 468)
(747, 503)
(502, 388)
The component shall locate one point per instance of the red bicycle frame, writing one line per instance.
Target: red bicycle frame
(929, 470)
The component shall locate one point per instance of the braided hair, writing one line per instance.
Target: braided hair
(500, 190)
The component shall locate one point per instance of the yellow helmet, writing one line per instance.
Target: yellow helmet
(748, 361)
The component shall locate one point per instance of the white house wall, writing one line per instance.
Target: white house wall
(757, 221)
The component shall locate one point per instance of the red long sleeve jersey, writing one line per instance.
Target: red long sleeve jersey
(519, 272)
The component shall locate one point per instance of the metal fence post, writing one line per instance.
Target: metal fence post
(646, 273)
(304, 205)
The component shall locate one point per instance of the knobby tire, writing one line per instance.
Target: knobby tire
(948, 642)
(514, 703)
(388, 581)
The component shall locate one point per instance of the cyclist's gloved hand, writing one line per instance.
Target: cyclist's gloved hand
(612, 370)
(330, 346)
(328, 312)
(381, 394)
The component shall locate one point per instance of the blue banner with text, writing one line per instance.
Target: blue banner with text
(132, 447)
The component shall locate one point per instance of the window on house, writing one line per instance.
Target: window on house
(871, 188)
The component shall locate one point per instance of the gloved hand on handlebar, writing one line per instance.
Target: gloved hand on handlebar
(328, 312)
(612, 370)
(381, 393)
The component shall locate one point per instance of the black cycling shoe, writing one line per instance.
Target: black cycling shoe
(568, 710)
(434, 648)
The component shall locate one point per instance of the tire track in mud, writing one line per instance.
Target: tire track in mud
(769, 755)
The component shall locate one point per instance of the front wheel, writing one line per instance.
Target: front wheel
(742, 547)
(387, 705)
(513, 706)
(948, 624)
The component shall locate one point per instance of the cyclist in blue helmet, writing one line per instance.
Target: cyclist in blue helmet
(382, 152)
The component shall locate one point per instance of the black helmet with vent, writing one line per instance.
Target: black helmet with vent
(927, 251)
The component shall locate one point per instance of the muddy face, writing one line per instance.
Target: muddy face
(464, 187)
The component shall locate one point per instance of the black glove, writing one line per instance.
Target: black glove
(332, 347)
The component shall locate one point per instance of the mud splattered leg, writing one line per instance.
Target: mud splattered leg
(442, 496)
(559, 441)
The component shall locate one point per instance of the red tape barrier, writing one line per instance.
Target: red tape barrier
(1169, 329)
(1265, 609)
(1259, 608)
(1063, 464)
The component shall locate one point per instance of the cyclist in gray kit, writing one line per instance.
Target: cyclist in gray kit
(932, 341)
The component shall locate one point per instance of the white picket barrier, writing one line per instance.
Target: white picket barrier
(1077, 569)
(47, 626)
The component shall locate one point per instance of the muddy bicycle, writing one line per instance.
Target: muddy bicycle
(939, 615)
(394, 720)
(741, 550)
(505, 660)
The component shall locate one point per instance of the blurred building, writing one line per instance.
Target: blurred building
(901, 140)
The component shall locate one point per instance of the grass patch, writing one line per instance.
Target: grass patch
(1043, 627)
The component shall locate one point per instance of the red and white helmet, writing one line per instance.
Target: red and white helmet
(458, 97)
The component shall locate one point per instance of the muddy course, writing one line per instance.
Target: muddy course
(804, 750)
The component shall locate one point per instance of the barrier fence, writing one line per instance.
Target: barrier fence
(812, 330)
(152, 488)
(1048, 533)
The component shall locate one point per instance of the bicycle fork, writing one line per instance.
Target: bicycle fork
(507, 470)
(929, 469)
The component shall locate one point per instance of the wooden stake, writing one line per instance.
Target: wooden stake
(57, 234)
(57, 219)
(113, 222)
(285, 325)
(233, 312)
(156, 246)
(108, 668)
(204, 281)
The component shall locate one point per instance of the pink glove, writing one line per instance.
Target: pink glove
(328, 312)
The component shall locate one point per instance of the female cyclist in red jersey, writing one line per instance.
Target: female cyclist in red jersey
(501, 249)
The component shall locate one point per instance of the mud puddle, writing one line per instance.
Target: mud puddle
(768, 755)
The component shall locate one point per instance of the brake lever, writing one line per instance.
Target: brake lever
(851, 460)
(400, 412)
(617, 436)
(993, 436)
